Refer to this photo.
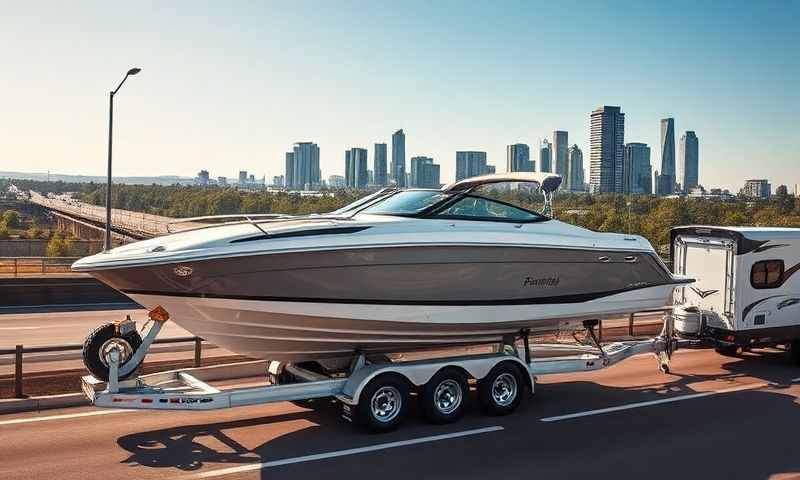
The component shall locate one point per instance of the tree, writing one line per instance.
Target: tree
(11, 218)
(59, 247)
(34, 231)
(3, 230)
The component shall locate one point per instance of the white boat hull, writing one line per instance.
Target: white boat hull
(300, 331)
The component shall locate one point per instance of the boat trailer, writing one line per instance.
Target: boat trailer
(502, 375)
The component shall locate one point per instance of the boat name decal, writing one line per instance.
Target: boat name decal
(541, 282)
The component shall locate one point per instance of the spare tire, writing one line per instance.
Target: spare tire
(99, 343)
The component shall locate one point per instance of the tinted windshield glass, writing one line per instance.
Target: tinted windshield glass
(478, 208)
(361, 201)
(406, 203)
(523, 195)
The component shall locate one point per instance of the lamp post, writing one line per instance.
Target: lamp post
(132, 71)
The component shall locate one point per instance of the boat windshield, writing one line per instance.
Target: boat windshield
(363, 201)
(407, 202)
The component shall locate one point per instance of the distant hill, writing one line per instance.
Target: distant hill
(55, 177)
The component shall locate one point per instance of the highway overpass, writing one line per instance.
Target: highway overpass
(88, 221)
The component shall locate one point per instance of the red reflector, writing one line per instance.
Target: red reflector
(147, 400)
(729, 338)
(174, 400)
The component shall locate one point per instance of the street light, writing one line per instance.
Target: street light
(132, 71)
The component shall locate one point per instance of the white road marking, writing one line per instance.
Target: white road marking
(631, 406)
(61, 417)
(341, 453)
(795, 380)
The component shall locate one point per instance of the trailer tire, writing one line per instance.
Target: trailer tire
(500, 392)
(97, 343)
(383, 403)
(444, 398)
(794, 351)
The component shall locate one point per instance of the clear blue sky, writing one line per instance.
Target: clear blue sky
(231, 85)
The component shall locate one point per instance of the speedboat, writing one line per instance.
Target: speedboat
(399, 270)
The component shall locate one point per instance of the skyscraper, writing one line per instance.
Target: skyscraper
(639, 172)
(518, 158)
(355, 164)
(424, 173)
(302, 167)
(470, 164)
(688, 161)
(399, 158)
(560, 158)
(242, 177)
(575, 179)
(289, 172)
(666, 184)
(379, 165)
(606, 152)
(757, 189)
(546, 156)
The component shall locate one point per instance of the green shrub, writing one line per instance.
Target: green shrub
(11, 218)
(60, 247)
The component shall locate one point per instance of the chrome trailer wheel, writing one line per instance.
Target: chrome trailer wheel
(444, 398)
(383, 403)
(500, 392)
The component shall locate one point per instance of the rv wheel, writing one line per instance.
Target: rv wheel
(444, 397)
(382, 404)
(500, 392)
(99, 343)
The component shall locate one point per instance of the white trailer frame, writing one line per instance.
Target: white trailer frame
(183, 390)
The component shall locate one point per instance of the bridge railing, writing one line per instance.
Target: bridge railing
(26, 266)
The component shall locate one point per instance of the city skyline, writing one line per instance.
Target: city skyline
(229, 87)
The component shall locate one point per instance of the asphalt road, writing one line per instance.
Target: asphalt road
(713, 417)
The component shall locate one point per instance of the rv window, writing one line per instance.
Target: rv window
(767, 274)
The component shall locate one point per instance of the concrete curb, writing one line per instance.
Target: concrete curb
(228, 371)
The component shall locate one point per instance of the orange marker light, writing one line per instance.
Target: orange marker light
(158, 314)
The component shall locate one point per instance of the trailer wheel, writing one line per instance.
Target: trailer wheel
(99, 343)
(794, 351)
(500, 392)
(383, 404)
(444, 397)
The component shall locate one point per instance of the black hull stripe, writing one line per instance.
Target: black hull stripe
(577, 298)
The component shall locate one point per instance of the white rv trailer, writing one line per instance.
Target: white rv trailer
(747, 288)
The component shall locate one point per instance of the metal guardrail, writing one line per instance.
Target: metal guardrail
(20, 350)
(17, 266)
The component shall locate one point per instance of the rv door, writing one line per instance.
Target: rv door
(710, 262)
